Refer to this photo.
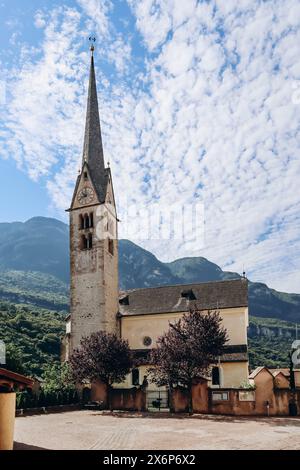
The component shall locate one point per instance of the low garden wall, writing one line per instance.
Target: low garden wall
(252, 402)
(133, 399)
(47, 409)
(262, 401)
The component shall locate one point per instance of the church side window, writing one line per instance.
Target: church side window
(215, 376)
(135, 377)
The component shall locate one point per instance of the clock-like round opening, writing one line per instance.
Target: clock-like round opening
(147, 341)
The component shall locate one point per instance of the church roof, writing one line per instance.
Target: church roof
(179, 298)
(92, 146)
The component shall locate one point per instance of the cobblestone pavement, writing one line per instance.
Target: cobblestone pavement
(97, 430)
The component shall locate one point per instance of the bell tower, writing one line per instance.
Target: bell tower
(93, 235)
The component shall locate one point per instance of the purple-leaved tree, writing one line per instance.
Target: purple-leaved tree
(101, 356)
(187, 350)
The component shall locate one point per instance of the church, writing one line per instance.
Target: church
(139, 315)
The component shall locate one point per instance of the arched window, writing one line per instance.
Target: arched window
(111, 246)
(86, 221)
(90, 241)
(91, 220)
(83, 242)
(135, 377)
(215, 376)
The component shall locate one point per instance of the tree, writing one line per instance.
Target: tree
(187, 350)
(101, 356)
(58, 378)
(14, 360)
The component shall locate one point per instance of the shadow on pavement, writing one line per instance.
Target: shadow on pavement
(272, 420)
(22, 446)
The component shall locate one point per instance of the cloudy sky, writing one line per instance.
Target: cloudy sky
(199, 105)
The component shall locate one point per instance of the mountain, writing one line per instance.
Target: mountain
(34, 288)
(199, 269)
(40, 244)
(140, 268)
(34, 269)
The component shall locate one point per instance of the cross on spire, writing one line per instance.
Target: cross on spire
(92, 40)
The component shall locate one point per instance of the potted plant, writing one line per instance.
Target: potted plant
(7, 417)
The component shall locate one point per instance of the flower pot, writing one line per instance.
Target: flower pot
(7, 420)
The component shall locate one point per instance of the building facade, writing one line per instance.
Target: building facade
(139, 315)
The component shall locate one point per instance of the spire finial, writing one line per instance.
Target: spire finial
(92, 40)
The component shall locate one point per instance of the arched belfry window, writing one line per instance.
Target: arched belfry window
(86, 242)
(90, 241)
(86, 221)
(83, 242)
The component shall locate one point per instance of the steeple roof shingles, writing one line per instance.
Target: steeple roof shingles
(92, 147)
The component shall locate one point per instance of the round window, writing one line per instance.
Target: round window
(147, 341)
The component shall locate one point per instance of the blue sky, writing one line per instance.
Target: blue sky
(199, 105)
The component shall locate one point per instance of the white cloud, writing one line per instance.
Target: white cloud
(39, 20)
(212, 119)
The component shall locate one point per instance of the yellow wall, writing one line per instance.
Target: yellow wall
(128, 381)
(135, 328)
(234, 373)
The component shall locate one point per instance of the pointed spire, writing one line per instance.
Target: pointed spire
(92, 147)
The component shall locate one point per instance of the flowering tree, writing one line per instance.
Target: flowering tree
(187, 350)
(101, 356)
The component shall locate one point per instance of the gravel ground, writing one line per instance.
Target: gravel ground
(97, 430)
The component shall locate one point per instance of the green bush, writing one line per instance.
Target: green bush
(26, 399)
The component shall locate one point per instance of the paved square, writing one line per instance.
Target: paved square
(97, 430)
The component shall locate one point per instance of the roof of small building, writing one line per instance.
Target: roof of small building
(180, 298)
(258, 370)
(15, 377)
(283, 371)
